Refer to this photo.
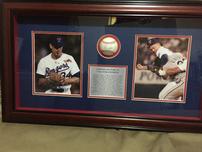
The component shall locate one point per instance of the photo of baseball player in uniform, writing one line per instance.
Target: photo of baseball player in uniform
(161, 68)
(57, 59)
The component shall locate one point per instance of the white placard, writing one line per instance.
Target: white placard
(107, 81)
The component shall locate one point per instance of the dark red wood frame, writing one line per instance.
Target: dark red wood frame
(10, 114)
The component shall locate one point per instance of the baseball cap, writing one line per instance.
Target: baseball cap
(152, 41)
(57, 42)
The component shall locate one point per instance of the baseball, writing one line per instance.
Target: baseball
(108, 46)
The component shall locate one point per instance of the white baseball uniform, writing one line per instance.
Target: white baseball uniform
(66, 66)
(162, 51)
(174, 90)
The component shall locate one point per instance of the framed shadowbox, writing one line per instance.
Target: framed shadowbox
(126, 65)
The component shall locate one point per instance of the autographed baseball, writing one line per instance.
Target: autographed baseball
(108, 46)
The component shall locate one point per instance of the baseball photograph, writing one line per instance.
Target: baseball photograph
(57, 60)
(161, 64)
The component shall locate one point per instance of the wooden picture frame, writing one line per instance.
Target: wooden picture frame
(93, 20)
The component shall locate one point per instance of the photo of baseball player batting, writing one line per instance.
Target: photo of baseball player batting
(57, 59)
(161, 64)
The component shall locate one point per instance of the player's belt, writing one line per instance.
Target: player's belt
(58, 89)
(180, 76)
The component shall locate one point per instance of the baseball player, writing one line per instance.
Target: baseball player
(57, 71)
(168, 65)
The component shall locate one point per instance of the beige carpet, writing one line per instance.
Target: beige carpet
(41, 138)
